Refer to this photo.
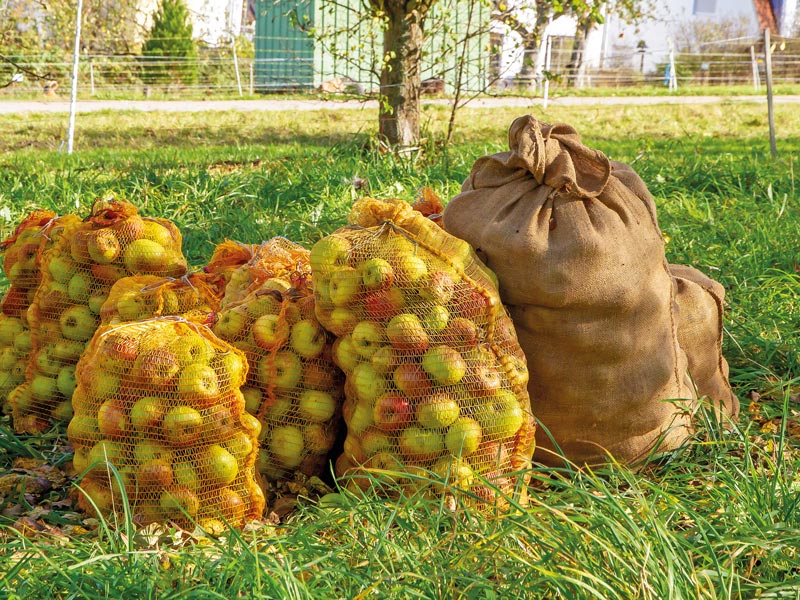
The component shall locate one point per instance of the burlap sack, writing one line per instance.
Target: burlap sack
(574, 241)
(700, 306)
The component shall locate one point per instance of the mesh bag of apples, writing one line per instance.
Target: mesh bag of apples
(435, 378)
(160, 400)
(20, 264)
(195, 297)
(227, 257)
(76, 276)
(293, 386)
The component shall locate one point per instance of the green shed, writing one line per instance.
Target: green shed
(287, 57)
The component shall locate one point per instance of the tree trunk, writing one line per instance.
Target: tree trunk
(400, 76)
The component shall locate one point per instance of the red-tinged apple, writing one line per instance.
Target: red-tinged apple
(156, 367)
(463, 437)
(270, 331)
(108, 274)
(321, 375)
(186, 475)
(316, 406)
(444, 365)
(420, 444)
(65, 381)
(78, 323)
(392, 411)
(199, 383)
(231, 324)
(345, 286)
(412, 381)
(103, 453)
(113, 420)
(385, 303)
(483, 379)
(119, 350)
(344, 354)
(308, 338)
(46, 363)
(103, 246)
(218, 466)
(376, 273)
(287, 446)
(8, 356)
(438, 288)
(178, 503)
(460, 333)
(406, 332)
(231, 506)
(286, 370)
(155, 473)
(43, 388)
(490, 455)
(353, 450)
(182, 425)
(471, 303)
(319, 437)
(253, 397)
(438, 411)
(409, 270)
(148, 450)
(329, 252)
(436, 319)
(341, 321)
(23, 343)
(61, 268)
(360, 419)
(144, 256)
(147, 413)
(367, 337)
(10, 328)
(368, 383)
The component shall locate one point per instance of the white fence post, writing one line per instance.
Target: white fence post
(548, 46)
(236, 66)
(673, 76)
(754, 64)
(75, 61)
(91, 76)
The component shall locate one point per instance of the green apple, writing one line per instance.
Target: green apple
(46, 363)
(345, 286)
(78, 323)
(367, 338)
(182, 425)
(43, 388)
(406, 332)
(21, 398)
(105, 452)
(61, 268)
(420, 444)
(10, 328)
(455, 471)
(68, 350)
(341, 321)
(186, 475)
(438, 411)
(284, 370)
(102, 383)
(240, 445)
(147, 413)
(359, 419)
(231, 325)
(144, 256)
(376, 273)
(385, 360)
(308, 338)
(79, 287)
(218, 465)
(198, 382)
(252, 399)
(23, 342)
(444, 365)
(463, 437)
(287, 446)
(8, 356)
(65, 382)
(231, 368)
(374, 441)
(344, 354)
(436, 318)
(368, 383)
(316, 406)
(329, 252)
(267, 304)
(270, 331)
(500, 415)
(96, 302)
(103, 246)
(179, 502)
(82, 429)
(62, 412)
(148, 450)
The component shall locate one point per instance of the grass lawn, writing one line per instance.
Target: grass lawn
(720, 518)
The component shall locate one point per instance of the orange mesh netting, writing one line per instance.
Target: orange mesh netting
(77, 274)
(436, 380)
(161, 401)
(293, 386)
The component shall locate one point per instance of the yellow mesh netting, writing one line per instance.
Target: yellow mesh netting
(161, 401)
(78, 271)
(435, 377)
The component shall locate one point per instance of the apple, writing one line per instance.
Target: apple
(182, 425)
(460, 333)
(436, 319)
(345, 286)
(198, 382)
(156, 366)
(192, 349)
(392, 411)
(43, 388)
(47, 363)
(65, 382)
(186, 475)
(101, 383)
(329, 252)
(374, 441)
(62, 412)
(23, 343)
(103, 246)
(108, 274)
(287, 446)
(10, 328)
(8, 356)
(147, 413)
(344, 354)
(156, 232)
(385, 303)
(219, 421)
(60, 268)
(144, 256)
(319, 437)
(385, 360)
(367, 337)
(438, 411)
(278, 411)
(455, 471)
(178, 503)
(359, 419)
(376, 273)
(412, 381)
(241, 445)
(219, 467)
(78, 323)
(118, 350)
(471, 303)
(322, 375)
(419, 444)
(132, 306)
(231, 368)
(410, 270)
(103, 453)
(113, 419)
(368, 383)
(253, 397)
(21, 399)
(406, 332)
(148, 450)
(308, 338)
(250, 424)
(284, 370)
(82, 428)
(155, 473)
(340, 321)
(491, 455)
(316, 406)
(463, 437)
(483, 379)
(264, 304)
(231, 324)
(444, 365)
(231, 506)
(270, 331)
(500, 415)
(95, 303)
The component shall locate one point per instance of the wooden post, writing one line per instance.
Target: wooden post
(773, 147)
(91, 76)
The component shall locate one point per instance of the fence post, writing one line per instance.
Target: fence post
(75, 62)
(251, 77)
(236, 66)
(754, 64)
(548, 46)
(773, 147)
(673, 76)
(91, 76)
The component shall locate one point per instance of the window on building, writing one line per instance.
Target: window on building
(705, 7)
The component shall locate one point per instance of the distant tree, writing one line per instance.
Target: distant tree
(170, 51)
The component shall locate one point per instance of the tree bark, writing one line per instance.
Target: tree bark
(400, 75)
